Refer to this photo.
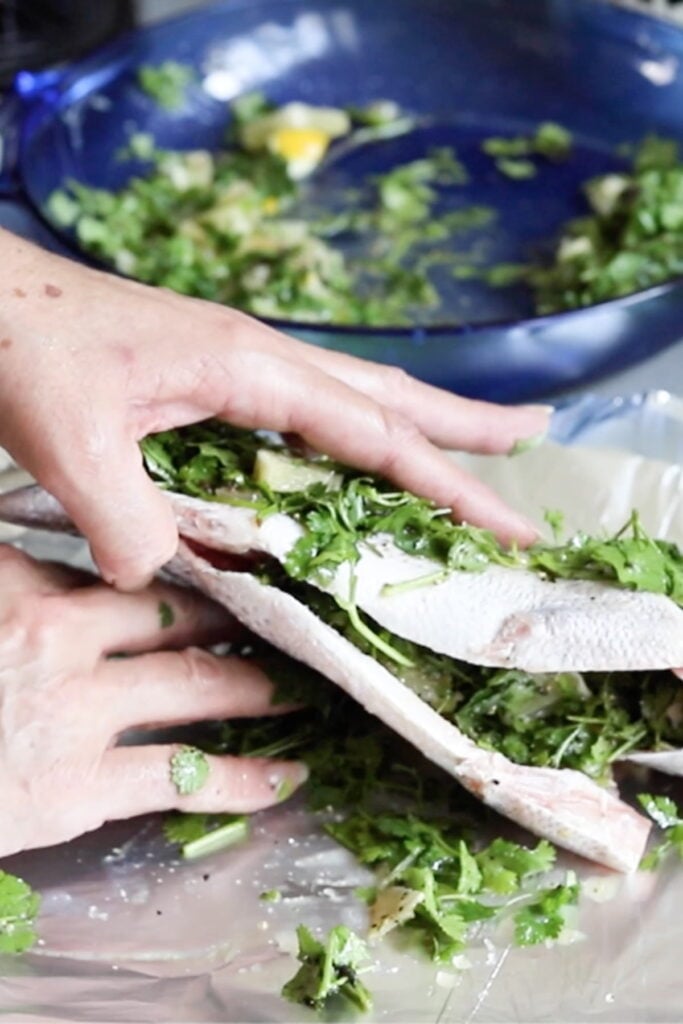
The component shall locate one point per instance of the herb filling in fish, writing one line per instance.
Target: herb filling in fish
(585, 721)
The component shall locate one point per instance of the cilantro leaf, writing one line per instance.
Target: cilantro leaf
(667, 817)
(189, 770)
(166, 615)
(543, 918)
(329, 969)
(19, 906)
(166, 82)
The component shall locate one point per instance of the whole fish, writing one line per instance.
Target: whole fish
(500, 617)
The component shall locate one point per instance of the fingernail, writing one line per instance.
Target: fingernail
(286, 781)
(127, 582)
(525, 444)
(524, 525)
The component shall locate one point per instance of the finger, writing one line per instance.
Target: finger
(159, 616)
(171, 688)
(112, 501)
(137, 780)
(678, 672)
(447, 420)
(351, 427)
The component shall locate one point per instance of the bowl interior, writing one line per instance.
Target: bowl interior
(467, 68)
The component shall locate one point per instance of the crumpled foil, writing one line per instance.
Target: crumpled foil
(130, 933)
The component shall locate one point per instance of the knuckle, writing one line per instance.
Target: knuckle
(33, 624)
(397, 383)
(400, 435)
(198, 668)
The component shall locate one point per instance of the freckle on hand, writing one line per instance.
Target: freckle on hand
(6, 343)
(53, 291)
(19, 292)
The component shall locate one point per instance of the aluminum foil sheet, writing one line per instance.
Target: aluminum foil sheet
(131, 934)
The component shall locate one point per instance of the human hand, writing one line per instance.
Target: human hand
(91, 363)
(63, 703)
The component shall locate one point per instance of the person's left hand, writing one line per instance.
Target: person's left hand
(63, 703)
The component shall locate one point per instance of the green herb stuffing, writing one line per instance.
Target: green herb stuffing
(557, 720)
(166, 83)
(19, 906)
(329, 970)
(189, 770)
(238, 226)
(631, 237)
(215, 462)
(585, 721)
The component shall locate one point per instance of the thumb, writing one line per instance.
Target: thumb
(127, 520)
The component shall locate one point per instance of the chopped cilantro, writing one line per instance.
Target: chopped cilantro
(19, 906)
(443, 883)
(543, 918)
(166, 615)
(667, 817)
(555, 520)
(520, 170)
(435, 878)
(166, 82)
(630, 238)
(271, 896)
(511, 155)
(238, 228)
(189, 770)
(329, 969)
(526, 444)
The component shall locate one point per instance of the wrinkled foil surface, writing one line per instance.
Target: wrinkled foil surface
(129, 933)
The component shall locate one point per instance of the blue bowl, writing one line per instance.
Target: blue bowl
(468, 69)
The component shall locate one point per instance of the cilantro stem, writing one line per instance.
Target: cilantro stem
(373, 638)
(564, 746)
(389, 589)
(218, 839)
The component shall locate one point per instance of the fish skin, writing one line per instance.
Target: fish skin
(561, 805)
(511, 618)
(505, 618)
(500, 617)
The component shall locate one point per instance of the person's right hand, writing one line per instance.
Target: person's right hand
(91, 363)
(63, 704)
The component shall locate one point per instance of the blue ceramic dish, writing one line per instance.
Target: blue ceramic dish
(472, 68)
